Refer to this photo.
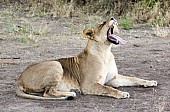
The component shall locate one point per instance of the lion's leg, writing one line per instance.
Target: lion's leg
(98, 89)
(54, 92)
(121, 80)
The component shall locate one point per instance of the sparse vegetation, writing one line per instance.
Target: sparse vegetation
(127, 23)
(22, 28)
(21, 15)
(161, 31)
(141, 11)
(23, 39)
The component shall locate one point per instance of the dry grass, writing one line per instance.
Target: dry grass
(89, 12)
(155, 15)
(154, 12)
(21, 27)
(161, 31)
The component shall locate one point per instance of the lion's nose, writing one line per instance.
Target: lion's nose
(112, 18)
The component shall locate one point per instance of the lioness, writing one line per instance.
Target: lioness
(93, 71)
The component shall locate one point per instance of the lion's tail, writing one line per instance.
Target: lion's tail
(20, 93)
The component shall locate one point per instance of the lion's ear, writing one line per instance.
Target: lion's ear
(88, 33)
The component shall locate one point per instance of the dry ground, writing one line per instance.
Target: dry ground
(145, 56)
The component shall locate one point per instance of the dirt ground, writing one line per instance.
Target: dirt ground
(145, 56)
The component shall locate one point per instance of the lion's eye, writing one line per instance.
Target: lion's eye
(103, 23)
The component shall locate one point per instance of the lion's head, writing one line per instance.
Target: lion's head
(106, 31)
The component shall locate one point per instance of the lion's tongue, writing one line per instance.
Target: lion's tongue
(115, 37)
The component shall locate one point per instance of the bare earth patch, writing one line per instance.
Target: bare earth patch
(144, 56)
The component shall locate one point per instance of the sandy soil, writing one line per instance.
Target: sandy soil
(145, 56)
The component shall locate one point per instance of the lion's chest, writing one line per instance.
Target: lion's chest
(111, 70)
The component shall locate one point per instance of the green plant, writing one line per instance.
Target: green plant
(149, 3)
(23, 39)
(125, 22)
(10, 26)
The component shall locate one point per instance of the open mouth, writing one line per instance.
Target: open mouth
(114, 38)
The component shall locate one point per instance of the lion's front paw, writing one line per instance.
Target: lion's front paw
(73, 94)
(123, 95)
(150, 84)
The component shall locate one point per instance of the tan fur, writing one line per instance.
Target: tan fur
(93, 72)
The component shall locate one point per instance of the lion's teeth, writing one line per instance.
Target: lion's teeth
(117, 41)
(111, 23)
